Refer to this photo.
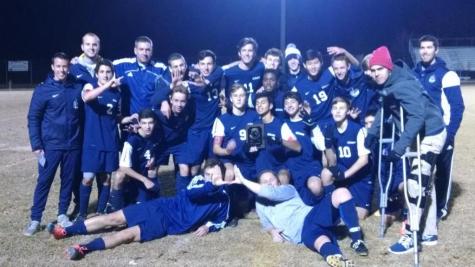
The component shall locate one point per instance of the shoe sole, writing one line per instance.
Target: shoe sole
(338, 262)
(401, 252)
(429, 243)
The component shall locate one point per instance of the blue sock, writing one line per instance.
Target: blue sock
(103, 198)
(78, 228)
(328, 189)
(84, 195)
(328, 249)
(96, 244)
(350, 218)
(117, 199)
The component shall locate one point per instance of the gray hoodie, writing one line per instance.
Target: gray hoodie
(421, 115)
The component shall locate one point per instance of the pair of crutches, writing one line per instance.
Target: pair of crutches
(414, 216)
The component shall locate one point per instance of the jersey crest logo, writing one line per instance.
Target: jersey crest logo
(75, 104)
(432, 78)
(294, 89)
(354, 92)
(130, 74)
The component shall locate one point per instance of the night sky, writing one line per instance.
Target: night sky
(34, 30)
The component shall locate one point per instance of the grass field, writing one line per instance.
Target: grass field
(245, 245)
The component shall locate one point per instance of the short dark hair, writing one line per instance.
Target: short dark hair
(340, 57)
(175, 56)
(340, 99)
(104, 62)
(143, 39)
(313, 54)
(293, 95)
(245, 41)
(147, 113)
(276, 73)
(212, 162)
(267, 95)
(206, 53)
(60, 55)
(429, 38)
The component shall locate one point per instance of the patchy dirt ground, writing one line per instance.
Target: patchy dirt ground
(245, 245)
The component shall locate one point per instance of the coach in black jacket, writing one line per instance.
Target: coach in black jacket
(399, 88)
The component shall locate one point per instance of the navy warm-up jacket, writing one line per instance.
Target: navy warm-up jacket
(55, 115)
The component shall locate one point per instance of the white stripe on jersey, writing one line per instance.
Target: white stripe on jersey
(124, 60)
(450, 79)
(362, 150)
(286, 133)
(318, 139)
(218, 128)
(126, 156)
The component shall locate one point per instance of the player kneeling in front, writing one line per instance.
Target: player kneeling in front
(204, 204)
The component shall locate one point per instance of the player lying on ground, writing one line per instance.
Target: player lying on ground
(202, 207)
(284, 215)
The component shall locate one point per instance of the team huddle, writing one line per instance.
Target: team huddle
(280, 135)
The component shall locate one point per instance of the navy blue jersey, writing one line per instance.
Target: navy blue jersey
(273, 156)
(357, 91)
(100, 126)
(318, 94)
(350, 145)
(251, 79)
(279, 103)
(201, 203)
(138, 83)
(230, 126)
(174, 130)
(138, 152)
(205, 101)
(298, 161)
(292, 80)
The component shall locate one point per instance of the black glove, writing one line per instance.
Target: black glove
(370, 141)
(337, 173)
(306, 118)
(328, 132)
(392, 157)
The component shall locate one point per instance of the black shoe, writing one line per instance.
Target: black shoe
(233, 222)
(359, 247)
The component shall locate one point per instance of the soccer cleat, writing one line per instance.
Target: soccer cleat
(359, 247)
(64, 221)
(32, 228)
(429, 240)
(76, 252)
(57, 231)
(337, 260)
(404, 245)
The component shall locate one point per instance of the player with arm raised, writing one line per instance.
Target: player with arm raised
(100, 156)
(284, 215)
